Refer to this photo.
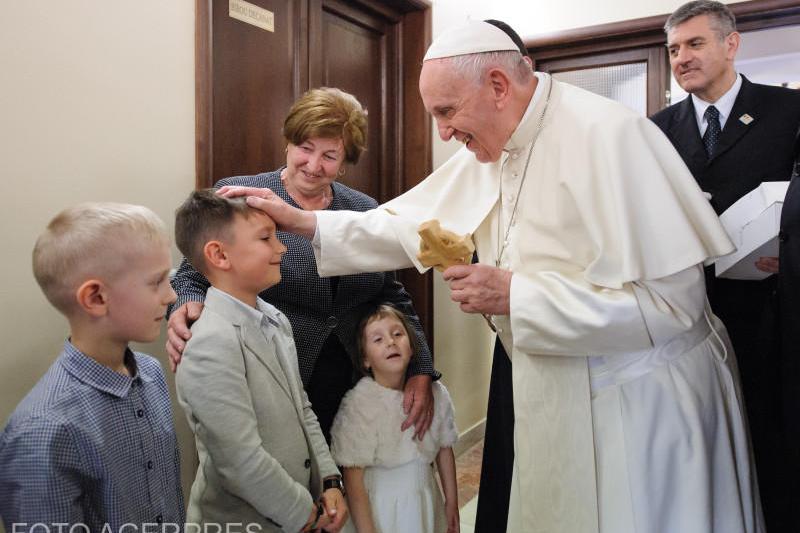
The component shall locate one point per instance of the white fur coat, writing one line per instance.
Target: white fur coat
(366, 430)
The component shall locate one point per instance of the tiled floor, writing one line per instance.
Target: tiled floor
(468, 473)
(467, 516)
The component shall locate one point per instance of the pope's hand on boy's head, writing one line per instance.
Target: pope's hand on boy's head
(235, 191)
(286, 217)
(178, 330)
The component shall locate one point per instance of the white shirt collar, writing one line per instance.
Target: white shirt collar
(262, 314)
(724, 105)
(529, 122)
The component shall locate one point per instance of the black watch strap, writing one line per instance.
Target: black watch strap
(320, 512)
(333, 483)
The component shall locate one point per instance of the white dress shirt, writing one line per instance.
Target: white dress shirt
(724, 105)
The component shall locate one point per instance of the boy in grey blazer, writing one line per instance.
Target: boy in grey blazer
(263, 459)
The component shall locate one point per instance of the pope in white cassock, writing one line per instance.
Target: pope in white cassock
(591, 235)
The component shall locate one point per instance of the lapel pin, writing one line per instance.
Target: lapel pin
(746, 119)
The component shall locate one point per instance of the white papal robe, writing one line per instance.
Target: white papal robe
(628, 416)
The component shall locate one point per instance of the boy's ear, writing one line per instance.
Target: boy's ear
(215, 255)
(92, 297)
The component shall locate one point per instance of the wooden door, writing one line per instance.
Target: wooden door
(248, 77)
(358, 54)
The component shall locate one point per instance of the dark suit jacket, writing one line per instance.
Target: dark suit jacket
(747, 154)
(307, 299)
(789, 302)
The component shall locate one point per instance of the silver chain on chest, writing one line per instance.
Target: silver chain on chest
(503, 243)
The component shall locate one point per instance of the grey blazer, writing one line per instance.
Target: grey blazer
(262, 454)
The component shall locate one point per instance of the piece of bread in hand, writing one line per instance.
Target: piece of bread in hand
(440, 248)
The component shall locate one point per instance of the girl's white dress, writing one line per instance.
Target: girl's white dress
(398, 473)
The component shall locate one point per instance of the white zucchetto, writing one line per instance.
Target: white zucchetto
(474, 37)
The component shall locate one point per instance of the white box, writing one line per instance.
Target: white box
(752, 223)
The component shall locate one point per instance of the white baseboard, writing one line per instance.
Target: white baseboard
(470, 437)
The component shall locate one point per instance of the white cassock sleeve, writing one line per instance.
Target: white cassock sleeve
(460, 193)
(561, 314)
(372, 241)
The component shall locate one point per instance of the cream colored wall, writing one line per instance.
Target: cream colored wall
(97, 103)
(463, 343)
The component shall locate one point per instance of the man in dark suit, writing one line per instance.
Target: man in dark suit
(789, 320)
(734, 135)
(787, 267)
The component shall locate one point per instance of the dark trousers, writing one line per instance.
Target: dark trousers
(331, 379)
(498, 448)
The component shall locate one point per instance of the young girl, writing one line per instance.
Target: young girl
(388, 475)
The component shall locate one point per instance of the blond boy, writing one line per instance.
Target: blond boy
(92, 446)
(263, 458)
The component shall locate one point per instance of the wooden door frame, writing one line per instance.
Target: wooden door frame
(415, 154)
(648, 33)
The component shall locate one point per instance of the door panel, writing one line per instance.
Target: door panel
(360, 58)
(255, 81)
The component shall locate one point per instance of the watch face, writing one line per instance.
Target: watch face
(334, 483)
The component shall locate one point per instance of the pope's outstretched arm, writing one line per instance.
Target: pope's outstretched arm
(345, 242)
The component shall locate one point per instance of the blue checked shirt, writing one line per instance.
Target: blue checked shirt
(88, 445)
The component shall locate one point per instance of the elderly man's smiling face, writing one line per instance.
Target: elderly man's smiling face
(463, 109)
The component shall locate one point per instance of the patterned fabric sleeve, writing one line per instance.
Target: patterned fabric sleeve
(41, 475)
(354, 435)
(189, 284)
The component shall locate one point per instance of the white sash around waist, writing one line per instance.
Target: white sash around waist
(607, 370)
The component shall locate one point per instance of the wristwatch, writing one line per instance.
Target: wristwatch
(333, 483)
